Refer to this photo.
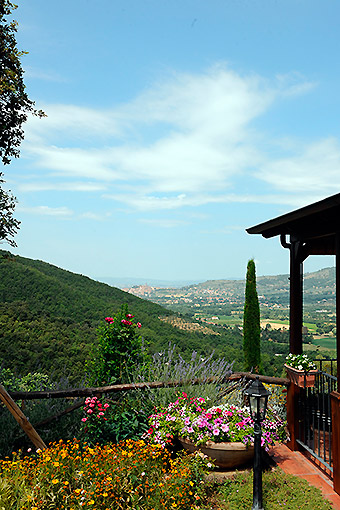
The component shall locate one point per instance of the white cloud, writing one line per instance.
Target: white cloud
(183, 142)
(60, 186)
(314, 169)
(45, 210)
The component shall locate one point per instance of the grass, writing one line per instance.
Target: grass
(138, 476)
(279, 491)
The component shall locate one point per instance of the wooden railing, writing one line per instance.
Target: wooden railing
(8, 398)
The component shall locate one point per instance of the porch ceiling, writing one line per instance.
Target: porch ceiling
(315, 224)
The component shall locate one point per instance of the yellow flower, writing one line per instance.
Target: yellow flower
(91, 502)
(55, 480)
(55, 464)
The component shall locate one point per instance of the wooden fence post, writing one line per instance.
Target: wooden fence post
(21, 419)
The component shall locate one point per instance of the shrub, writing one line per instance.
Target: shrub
(118, 349)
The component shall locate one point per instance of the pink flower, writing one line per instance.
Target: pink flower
(139, 325)
(84, 419)
(129, 316)
(106, 406)
(126, 323)
(89, 411)
(100, 414)
(109, 320)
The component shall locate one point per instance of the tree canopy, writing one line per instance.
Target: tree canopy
(8, 224)
(251, 322)
(15, 104)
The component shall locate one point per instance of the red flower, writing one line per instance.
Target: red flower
(129, 316)
(109, 320)
(139, 325)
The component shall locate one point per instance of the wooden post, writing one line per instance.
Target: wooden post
(293, 416)
(21, 419)
(337, 303)
(335, 405)
(296, 307)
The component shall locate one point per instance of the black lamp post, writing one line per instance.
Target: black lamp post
(258, 398)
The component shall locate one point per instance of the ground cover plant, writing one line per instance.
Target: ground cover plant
(280, 491)
(132, 475)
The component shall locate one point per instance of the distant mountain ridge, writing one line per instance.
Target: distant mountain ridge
(317, 284)
(272, 290)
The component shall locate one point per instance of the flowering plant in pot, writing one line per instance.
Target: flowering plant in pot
(301, 370)
(300, 362)
(191, 420)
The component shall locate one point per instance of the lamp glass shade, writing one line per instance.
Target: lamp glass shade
(258, 407)
(258, 399)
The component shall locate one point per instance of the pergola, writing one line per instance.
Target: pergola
(311, 230)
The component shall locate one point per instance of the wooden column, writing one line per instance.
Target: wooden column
(292, 416)
(335, 405)
(296, 302)
(337, 302)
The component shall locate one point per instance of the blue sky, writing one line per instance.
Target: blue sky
(172, 127)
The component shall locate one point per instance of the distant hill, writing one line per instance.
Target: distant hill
(49, 317)
(317, 285)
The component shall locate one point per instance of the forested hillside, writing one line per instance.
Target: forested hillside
(49, 317)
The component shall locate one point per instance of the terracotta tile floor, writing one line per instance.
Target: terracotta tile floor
(296, 463)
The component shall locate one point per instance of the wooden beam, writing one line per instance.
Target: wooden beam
(85, 392)
(21, 419)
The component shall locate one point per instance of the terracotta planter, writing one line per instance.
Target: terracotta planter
(300, 377)
(225, 455)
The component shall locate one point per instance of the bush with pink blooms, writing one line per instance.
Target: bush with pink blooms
(118, 349)
(95, 422)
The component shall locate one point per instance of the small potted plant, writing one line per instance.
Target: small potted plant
(301, 370)
(224, 433)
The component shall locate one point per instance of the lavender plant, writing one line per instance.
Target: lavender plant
(170, 365)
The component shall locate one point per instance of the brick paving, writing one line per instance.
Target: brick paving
(295, 463)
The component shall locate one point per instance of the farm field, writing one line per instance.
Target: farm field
(328, 343)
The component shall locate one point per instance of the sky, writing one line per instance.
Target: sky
(172, 126)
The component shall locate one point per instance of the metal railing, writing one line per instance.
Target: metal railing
(315, 418)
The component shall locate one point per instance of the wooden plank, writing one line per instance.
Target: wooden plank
(21, 419)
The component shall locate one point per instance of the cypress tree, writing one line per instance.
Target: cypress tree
(251, 323)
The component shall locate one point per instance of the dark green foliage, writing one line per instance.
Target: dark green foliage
(251, 323)
(12, 436)
(49, 319)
